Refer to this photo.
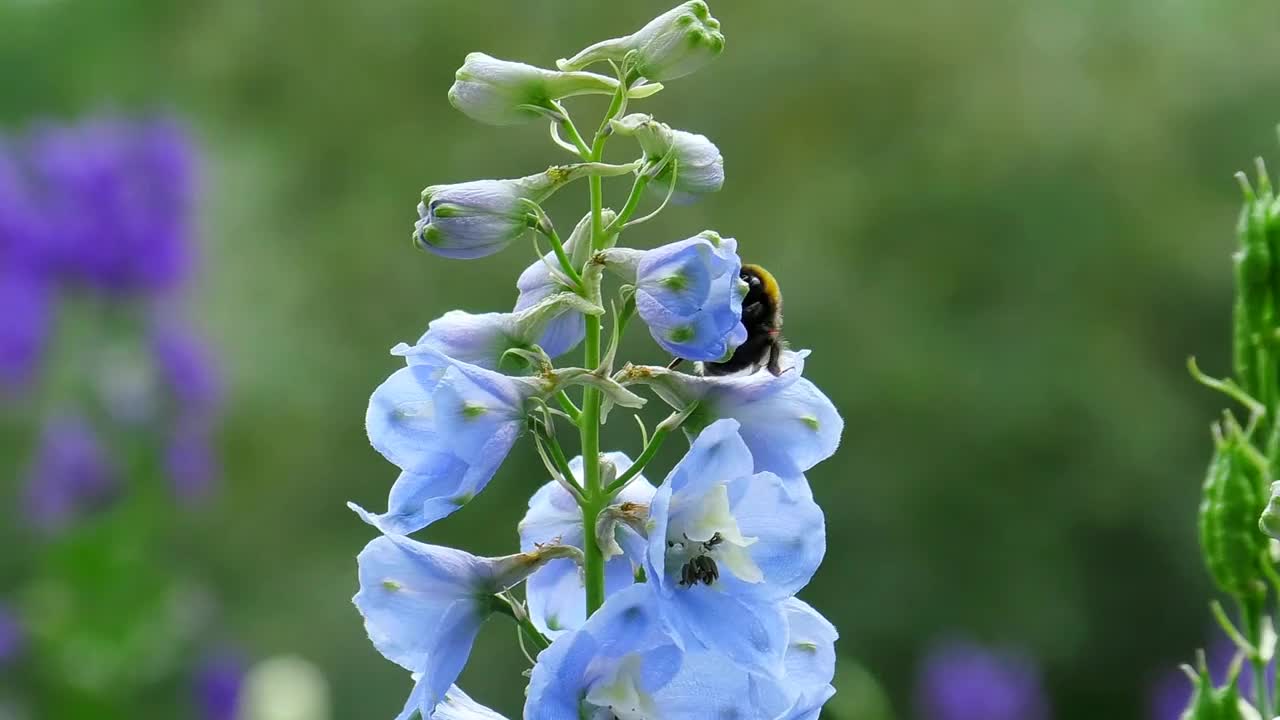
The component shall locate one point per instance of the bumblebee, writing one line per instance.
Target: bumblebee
(762, 316)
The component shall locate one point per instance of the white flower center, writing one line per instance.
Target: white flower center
(709, 529)
(620, 695)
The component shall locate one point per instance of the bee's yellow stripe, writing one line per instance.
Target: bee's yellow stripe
(766, 278)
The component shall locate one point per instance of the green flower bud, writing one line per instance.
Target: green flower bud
(674, 44)
(1254, 292)
(1233, 500)
(500, 92)
(1213, 703)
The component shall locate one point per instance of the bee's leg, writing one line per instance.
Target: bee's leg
(775, 359)
(675, 363)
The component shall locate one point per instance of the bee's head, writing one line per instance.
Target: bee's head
(760, 284)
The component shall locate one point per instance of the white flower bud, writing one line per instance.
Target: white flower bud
(478, 218)
(674, 44)
(695, 162)
(500, 92)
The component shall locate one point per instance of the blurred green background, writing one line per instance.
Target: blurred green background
(1001, 226)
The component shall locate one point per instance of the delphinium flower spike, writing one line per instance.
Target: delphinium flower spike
(639, 603)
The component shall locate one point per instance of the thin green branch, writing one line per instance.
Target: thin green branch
(512, 608)
(570, 409)
(557, 247)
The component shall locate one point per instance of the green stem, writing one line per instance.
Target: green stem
(593, 562)
(593, 565)
(1251, 611)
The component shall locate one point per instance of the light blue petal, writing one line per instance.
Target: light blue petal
(444, 664)
(808, 705)
(476, 339)
(535, 285)
(556, 598)
(716, 456)
(753, 636)
(401, 419)
(677, 277)
(475, 419)
(811, 654)
(797, 486)
(458, 705)
(789, 431)
(413, 594)
(552, 513)
(557, 595)
(705, 687)
(703, 336)
(790, 535)
(559, 680)
(688, 294)
(418, 500)
(454, 641)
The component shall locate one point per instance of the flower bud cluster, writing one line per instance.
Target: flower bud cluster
(1236, 516)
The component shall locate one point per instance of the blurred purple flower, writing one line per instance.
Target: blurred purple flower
(190, 460)
(218, 682)
(1171, 693)
(12, 637)
(71, 475)
(120, 196)
(25, 294)
(186, 369)
(961, 681)
(28, 314)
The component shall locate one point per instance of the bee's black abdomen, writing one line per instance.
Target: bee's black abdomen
(749, 354)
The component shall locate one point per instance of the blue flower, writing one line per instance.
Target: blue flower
(810, 660)
(690, 295)
(627, 662)
(483, 340)
(423, 606)
(448, 426)
(786, 421)
(556, 593)
(726, 545)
